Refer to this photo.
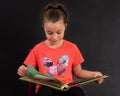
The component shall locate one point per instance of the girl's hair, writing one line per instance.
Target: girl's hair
(54, 12)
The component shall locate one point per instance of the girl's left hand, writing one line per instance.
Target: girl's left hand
(98, 74)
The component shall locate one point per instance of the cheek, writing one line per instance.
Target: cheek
(62, 35)
(48, 37)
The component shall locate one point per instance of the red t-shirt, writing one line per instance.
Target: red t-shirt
(56, 62)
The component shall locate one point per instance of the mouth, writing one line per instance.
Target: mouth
(54, 41)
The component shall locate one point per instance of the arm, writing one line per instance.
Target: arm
(85, 74)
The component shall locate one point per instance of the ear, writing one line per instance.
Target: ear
(66, 25)
(43, 25)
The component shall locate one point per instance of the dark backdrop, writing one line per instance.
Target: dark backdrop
(94, 25)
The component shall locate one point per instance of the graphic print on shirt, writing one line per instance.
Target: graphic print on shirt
(56, 69)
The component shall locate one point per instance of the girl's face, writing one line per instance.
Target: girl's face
(54, 31)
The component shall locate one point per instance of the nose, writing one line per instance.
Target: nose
(54, 36)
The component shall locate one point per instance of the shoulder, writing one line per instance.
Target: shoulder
(38, 46)
(70, 44)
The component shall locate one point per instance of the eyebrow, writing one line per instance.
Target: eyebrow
(51, 31)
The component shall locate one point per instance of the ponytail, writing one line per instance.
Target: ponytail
(54, 12)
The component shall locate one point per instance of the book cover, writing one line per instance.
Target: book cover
(36, 77)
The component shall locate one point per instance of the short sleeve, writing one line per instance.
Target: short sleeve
(77, 58)
(30, 59)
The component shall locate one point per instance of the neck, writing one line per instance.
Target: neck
(54, 45)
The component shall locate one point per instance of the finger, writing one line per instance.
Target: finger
(100, 81)
(23, 69)
(97, 74)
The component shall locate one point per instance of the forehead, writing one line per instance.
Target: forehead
(57, 25)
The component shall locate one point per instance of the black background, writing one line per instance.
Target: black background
(94, 25)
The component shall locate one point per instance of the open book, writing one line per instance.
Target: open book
(36, 77)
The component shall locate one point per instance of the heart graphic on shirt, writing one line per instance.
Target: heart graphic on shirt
(56, 69)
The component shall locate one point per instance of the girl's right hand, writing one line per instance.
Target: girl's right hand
(22, 70)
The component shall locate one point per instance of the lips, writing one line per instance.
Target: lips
(54, 40)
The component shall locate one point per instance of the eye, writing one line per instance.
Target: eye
(59, 32)
(50, 33)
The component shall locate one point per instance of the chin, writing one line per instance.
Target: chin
(54, 43)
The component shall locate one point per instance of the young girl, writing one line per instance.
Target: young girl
(56, 56)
